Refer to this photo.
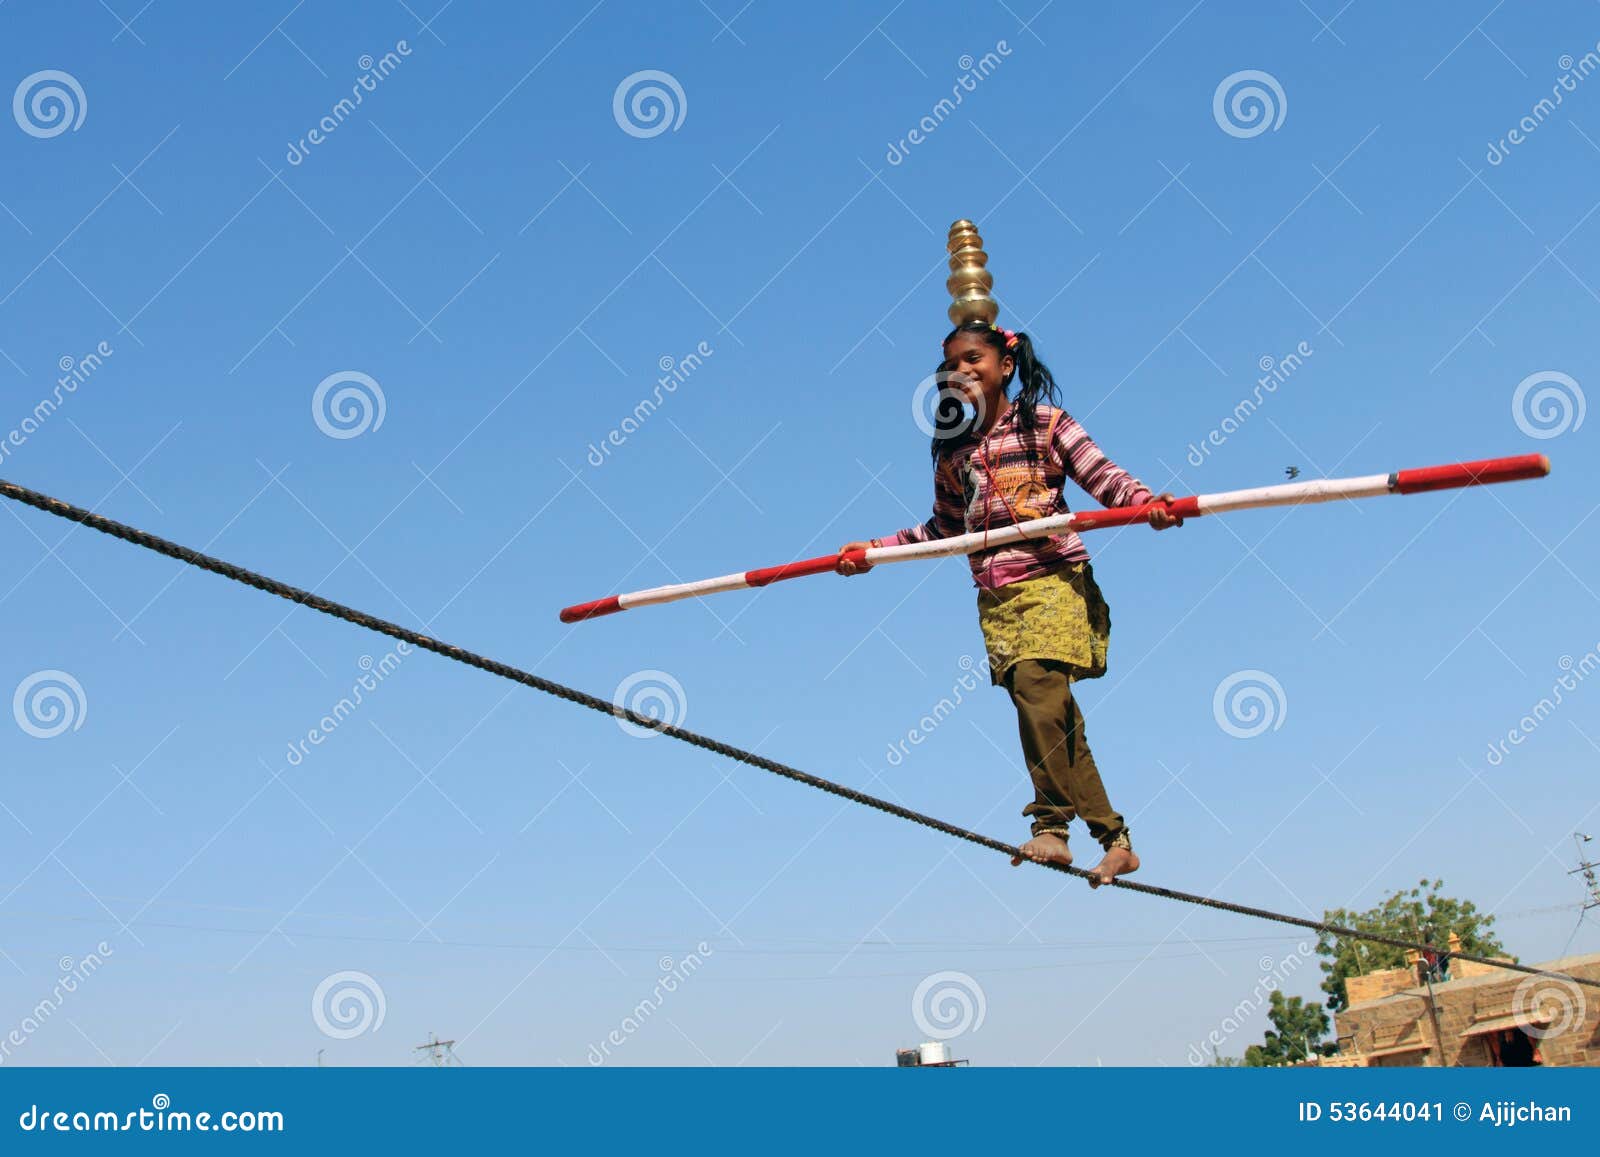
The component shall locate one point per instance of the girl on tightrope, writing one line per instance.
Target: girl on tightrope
(1043, 619)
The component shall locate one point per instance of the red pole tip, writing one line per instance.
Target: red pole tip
(1477, 473)
(594, 610)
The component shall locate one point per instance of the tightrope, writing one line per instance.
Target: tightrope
(561, 691)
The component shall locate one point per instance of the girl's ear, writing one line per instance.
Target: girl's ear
(1008, 366)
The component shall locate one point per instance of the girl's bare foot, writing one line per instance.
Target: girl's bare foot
(1118, 862)
(1048, 848)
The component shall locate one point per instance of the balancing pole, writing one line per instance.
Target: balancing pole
(1415, 481)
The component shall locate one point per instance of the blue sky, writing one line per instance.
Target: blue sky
(508, 264)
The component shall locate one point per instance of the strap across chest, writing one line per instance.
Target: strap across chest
(1053, 473)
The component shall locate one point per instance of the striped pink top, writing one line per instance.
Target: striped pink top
(1011, 475)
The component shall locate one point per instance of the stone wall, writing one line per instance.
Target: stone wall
(1393, 1024)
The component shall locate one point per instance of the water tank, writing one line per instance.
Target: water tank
(935, 1053)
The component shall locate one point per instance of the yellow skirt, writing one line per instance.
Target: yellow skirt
(1060, 615)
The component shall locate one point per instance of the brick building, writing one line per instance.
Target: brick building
(1478, 1016)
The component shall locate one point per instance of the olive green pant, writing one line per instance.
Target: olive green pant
(1066, 782)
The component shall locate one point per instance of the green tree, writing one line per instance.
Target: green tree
(1420, 914)
(1296, 1033)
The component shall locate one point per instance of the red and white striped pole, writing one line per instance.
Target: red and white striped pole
(1415, 481)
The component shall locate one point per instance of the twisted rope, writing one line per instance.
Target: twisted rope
(561, 691)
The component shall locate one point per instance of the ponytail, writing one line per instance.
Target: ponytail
(1035, 382)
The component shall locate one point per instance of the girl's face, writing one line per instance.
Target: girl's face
(977, 371)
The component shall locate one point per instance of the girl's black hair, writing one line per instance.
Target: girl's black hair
(1036, 384)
